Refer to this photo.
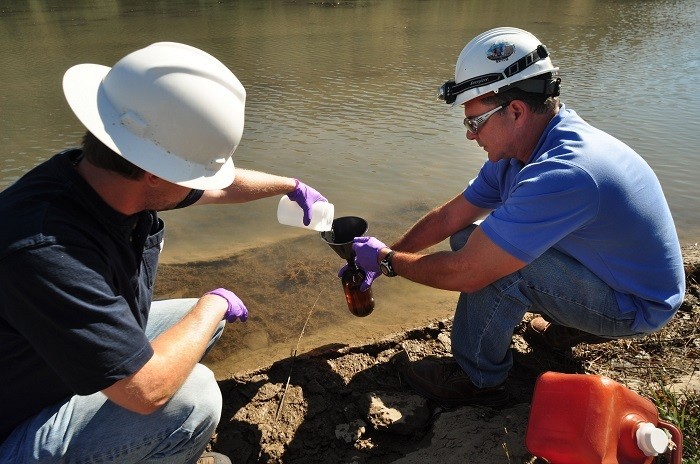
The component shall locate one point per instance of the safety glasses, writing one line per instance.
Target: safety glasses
(473, 124)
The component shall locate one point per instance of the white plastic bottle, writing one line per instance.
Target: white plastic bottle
(290, 213)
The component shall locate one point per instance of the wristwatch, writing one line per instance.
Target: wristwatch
(386, 267)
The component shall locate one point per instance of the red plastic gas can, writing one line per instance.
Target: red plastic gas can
(591, 419)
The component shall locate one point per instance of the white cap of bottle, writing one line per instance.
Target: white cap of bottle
(290, 213)
(651, 439)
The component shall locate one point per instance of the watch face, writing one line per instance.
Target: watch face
(384, 268)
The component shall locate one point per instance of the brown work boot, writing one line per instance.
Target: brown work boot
(447, 384)
(213, 458)
(540, 331)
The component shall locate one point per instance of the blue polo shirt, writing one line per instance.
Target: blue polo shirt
(76, 282)
(587, 194)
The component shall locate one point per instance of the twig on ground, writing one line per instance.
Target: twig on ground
(294, 355)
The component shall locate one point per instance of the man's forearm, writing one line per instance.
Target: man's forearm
(176, 351)
(248, 186)
(439, 224)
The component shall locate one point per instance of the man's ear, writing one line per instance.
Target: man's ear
(151, 179)
(518, 108)
(520, 112)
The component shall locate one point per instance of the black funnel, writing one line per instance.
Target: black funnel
(343, 231)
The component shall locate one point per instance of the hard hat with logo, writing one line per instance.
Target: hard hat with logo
(169, 108)
(499, 58)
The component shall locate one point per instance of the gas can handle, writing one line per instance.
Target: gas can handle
(676, 445)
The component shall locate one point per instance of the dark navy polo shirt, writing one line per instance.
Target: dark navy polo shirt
(76, 282)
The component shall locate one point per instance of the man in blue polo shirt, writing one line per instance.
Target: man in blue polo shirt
(92, 369)
(575, 228)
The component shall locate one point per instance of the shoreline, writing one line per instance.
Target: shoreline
(281, 284)
(315, 406)
(322, 406)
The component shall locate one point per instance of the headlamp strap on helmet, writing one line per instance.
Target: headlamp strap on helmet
(526, 61)
(449, 90)
(548, 87)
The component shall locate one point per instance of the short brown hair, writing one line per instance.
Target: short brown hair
(101, 155)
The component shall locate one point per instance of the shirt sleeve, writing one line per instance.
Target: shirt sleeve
(484, 191)
(63, 302)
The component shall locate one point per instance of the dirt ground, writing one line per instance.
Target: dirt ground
(320, 406)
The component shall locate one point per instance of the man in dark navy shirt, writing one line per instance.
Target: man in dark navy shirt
(93, 370)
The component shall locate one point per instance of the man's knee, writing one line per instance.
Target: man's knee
(206, 388)
(201, 395)
(459, 239)
(193, 414)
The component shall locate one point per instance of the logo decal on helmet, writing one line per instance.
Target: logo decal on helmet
(500, 51)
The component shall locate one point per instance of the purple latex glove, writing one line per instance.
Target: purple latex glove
(305, 197)
(236, 308)
(370, 277)
(366, 252)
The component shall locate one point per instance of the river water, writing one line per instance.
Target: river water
(341, 95)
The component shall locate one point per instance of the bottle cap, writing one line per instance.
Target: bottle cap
(290, 213)
(651, 440)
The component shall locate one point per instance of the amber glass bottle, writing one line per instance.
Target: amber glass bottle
(359, 303)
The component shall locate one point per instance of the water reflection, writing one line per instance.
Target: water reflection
(343, 97)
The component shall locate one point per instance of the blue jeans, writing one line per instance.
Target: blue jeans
(554, 285)
(92, 429)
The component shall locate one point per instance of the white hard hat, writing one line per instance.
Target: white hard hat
(171, 109)
(495, 59)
